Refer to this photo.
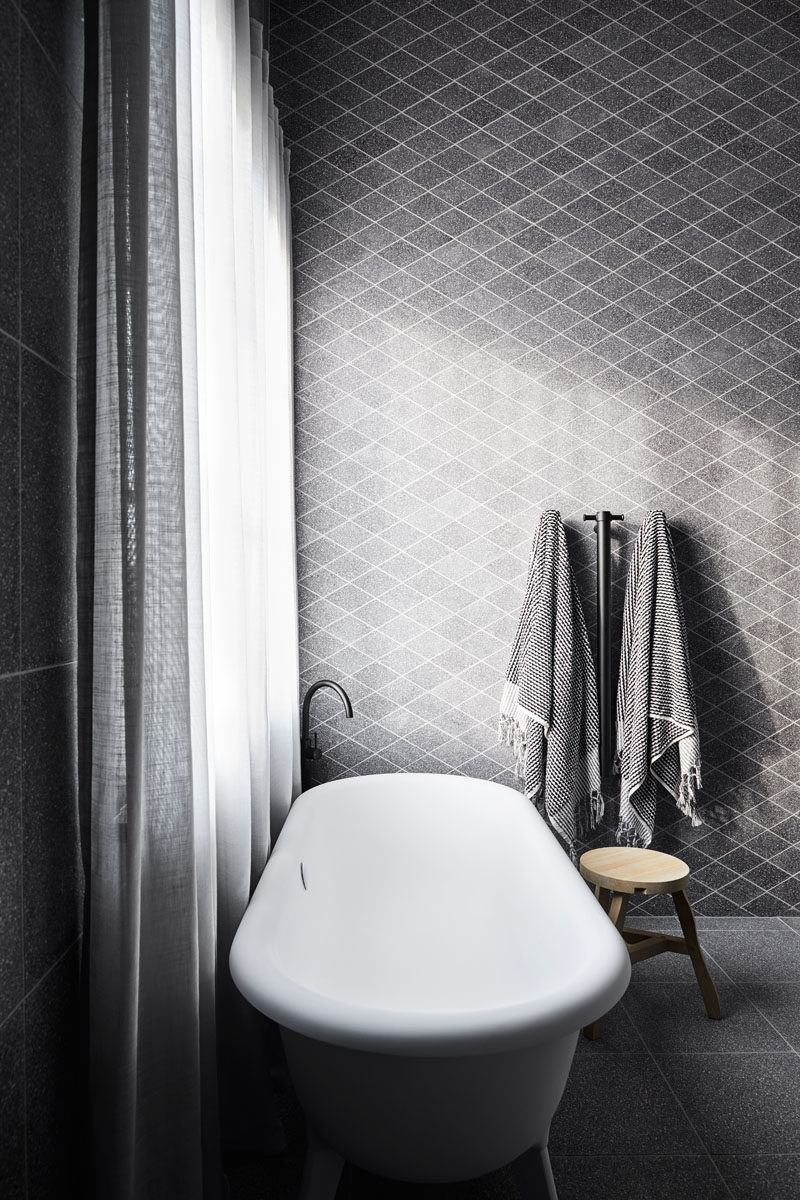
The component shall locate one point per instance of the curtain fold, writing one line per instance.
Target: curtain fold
(187, 593)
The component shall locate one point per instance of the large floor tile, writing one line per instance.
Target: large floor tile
(12, 1108)
(9, 477)
(713, 924)
(671, 1017)
(740, 1103)
(774, 954)
(49, 209)
(779, 1003)
(52, 870)
(618, 1037)
(638, 1177)
(616, 1105)
(47, 527)
(9, 170)
(666, 966)
(11, 960)
(762, 1177)
(54, 1083)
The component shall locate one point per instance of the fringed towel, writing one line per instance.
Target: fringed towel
(548, 712)
(657, 738)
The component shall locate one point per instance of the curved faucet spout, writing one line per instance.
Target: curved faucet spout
(307, 751)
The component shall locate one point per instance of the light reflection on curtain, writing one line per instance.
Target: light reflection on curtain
(187, 594)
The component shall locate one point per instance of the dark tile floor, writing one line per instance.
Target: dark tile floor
(668, 1105)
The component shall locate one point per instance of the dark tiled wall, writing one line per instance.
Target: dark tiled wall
(547, 254)
(40, 880)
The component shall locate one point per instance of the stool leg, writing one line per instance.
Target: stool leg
(603, 895)
(619, 909)
(707, 987)
(616, 912)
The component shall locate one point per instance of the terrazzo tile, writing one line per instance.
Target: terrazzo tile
(11, 960)
(732, 1099)
(779, 1003)
(619, 1036)
(52, 870)
(758, 1176)
(9, 168)
(9, 501)
(12, 1108)
(670, 1017)
(774, 955)
(47, 529)
(49, 209)
(566, 298)
(54, 1084)
(599, 1090)
(638, 1177)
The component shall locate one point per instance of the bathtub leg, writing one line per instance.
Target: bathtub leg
(535, 1175)
(322, 1169)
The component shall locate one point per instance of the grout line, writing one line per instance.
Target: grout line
(16, 338)
(30, 992)
(69, 662)
(677, 1099)
(58, 74)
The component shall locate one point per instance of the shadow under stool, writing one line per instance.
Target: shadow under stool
(617, 872)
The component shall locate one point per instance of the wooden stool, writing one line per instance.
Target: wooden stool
(619, 871)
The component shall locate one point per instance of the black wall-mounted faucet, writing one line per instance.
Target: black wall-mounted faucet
(310, 752)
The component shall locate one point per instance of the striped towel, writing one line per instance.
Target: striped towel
(657, 737)
(548, 711)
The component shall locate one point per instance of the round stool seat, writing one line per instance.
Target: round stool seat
(630, 869)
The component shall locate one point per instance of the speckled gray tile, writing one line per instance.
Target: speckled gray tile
(48, 603)
(705, 924)
(12, 1108)
(54, 1087)
(754, 1177)
(51, 867)
(599, 1090)
(671, 1017)
(49, 209)
(774, 955)
(732, 1099)
(57, 25)
(566, 299)
(619, 1036)
(11, 981)
(9, 168)
(779, 1003)
(9, 505)
(638, 1177)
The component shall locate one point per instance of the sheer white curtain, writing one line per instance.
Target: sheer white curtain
(188, 680)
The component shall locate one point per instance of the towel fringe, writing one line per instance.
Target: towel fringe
(629, 834)
(686, 800)
(511, 733)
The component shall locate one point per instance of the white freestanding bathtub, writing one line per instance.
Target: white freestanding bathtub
(430, 954)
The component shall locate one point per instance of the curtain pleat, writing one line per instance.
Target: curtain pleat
(187, 594)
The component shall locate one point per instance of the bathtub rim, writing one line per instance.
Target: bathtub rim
(425, 1033)
(433, 1033)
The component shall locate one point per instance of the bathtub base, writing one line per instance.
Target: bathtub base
(323, 1167)
(426, 1119)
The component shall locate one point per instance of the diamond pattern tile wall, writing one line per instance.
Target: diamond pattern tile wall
(547, 254)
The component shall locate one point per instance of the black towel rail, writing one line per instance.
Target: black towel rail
(607, 706)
